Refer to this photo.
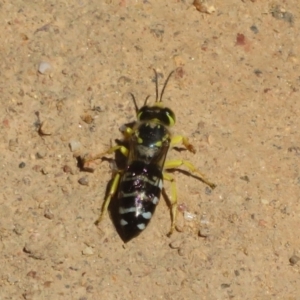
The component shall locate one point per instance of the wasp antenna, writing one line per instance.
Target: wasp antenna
(156, 84)
(163, 90)
(146, 100)
(134, 101)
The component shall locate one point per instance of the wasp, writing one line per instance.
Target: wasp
(138, 187)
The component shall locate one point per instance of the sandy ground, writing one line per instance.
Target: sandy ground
(235, 95)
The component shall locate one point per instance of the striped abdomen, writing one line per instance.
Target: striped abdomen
(138, 195)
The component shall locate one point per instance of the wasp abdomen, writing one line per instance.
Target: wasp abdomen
(139, 193)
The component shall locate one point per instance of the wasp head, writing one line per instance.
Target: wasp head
(157, 112)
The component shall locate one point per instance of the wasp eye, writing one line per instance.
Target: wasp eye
(171, 119)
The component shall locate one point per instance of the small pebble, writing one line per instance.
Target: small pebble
(48, 214)
(258, 73)
(292, 58)
(83, 181)
(294, 259)
(208, 190)
(22, 165)
(175, 244)
(240, 39)
(245, 178)
(87, 118)
(254, 29)
(233, 218)
(88, 251)
(32, 274)
(37, 168)
(88, 165)
(204, 220)
(46, 128)
(68, 169)
(182, 207)
(59, 276)
(179, 227)
(264, 201)
(204, 7)
(181, 252)
(124, 80)
(41, 154)
(13, 145)
(189, 216)
(74, 145)
(204, 232)
(179, 60)
(18, 229)
(279, 12)
(44, 67)
(26, 180)
(45, 170)
(210, 139)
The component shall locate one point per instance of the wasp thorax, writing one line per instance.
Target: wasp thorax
(162, 115)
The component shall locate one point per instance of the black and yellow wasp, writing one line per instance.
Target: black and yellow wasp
(138, 187)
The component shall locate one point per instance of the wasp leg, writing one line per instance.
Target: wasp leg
(126, 131)
(112, 191)
(173, 201)
(120, 148)
(179, 139)
(173, 164)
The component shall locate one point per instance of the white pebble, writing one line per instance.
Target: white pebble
(75, 145)
(264, 201)
(88, 251)
(44, 67)
(189, 216)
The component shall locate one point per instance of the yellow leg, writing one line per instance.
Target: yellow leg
(172, 164)
(179, 139)
(112, 191)
(122, 149)
(173, 201)
(127, 131)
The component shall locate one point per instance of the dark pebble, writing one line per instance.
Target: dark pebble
(254, 29)
(294, 259)
(22, 165)
(83, 181)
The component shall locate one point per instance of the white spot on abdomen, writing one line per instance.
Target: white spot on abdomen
(123, 222)
(123, 210)
(155, 200)
(141, 226)
(147, 215)
(160, 184)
